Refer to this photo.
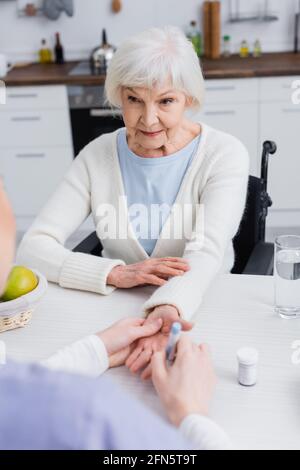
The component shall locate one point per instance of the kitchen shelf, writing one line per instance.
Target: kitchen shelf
(262, 14)
(262, 19)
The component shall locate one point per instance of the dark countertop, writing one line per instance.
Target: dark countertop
(269, 65)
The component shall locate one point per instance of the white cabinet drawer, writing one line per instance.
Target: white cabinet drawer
(231, 91)
(35, 128)
(277, 89)
(239, 120)
(32, 175)
(280, 122)
(37, 97)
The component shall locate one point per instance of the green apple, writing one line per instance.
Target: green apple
(20, 281)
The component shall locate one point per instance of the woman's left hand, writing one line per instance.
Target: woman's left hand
(140, 357)
(120, 339)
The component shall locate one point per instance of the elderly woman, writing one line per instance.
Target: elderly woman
(166, 193)
(95, 409)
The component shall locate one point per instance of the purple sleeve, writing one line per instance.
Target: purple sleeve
(41, 409)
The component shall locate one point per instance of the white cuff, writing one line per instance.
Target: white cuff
(204, 434)
(180, 293)
(102, 362)
(87, 357)
(87, 272)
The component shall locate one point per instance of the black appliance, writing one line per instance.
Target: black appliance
(90, 118)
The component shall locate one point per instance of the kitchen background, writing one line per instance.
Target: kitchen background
(250, 98)
(20, 37)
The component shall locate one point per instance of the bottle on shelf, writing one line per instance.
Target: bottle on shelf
(45, 54)
(195, 37)
(244, 49)
(257, 50)
(58, 50)
(227, 46)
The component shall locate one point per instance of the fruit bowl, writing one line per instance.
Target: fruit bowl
(17, 313)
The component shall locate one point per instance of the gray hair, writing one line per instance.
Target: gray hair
(151, 58)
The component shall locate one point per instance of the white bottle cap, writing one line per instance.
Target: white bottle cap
(247, 358)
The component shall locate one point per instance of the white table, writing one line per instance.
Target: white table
(237, 311)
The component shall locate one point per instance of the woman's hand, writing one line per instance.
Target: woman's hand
(154, 271)
(120, 338)
(169, 314)
(140, 357)
(187, 386)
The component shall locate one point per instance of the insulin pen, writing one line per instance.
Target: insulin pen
(173, 339)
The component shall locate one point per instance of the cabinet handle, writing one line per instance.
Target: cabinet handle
(222, 88)
(30, 155)
(104, 112)
(291, 110)
(26, 118)
(220, 113)
(22, 95)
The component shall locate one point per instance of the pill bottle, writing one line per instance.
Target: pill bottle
(247, 366)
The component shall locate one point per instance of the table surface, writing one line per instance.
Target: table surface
(237, 311)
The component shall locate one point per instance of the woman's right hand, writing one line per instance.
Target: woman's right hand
(186, 387)
(153, 271)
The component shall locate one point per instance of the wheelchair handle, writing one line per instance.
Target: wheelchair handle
(269, 148)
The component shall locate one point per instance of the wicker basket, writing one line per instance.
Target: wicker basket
(17, 313)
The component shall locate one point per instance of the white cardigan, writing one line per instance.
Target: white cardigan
(217, 178)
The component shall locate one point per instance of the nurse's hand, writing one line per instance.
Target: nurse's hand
(186, 387)
(153, 271)
(140, 357)
(121, 338)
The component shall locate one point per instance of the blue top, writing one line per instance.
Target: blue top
(152, 181)
(41, 409)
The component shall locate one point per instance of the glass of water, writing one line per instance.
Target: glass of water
(287, 276)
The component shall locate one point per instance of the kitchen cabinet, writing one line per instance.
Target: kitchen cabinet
(31, 175)
(35, 146)
(36, 143)
(232, 91)
(239, 120)
(46, 127)
(255, 110)
(36, 97)
(276, 89)
(232, 106)
(280, 121)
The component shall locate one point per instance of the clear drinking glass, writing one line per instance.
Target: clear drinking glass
(287, 276)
